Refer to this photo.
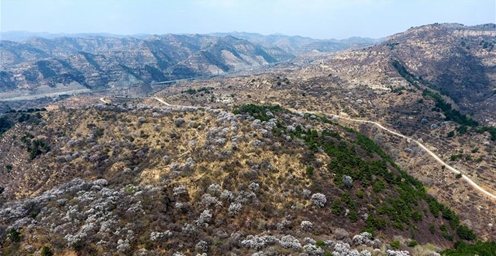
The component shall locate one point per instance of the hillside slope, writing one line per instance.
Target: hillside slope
(455, 60)
(136, 178)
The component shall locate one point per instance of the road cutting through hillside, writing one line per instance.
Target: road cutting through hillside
(102, 99)
(453, 170)
(162, 101)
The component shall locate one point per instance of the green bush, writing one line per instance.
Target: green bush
(379, 186)
(5, 124)
(258, 112)
(14, 235)
(417, 216)
(46, 251)
(359, 194)
(465, 233)
(450, 113)
(336, 207)
(320, 243)
(395, 244)
(432, 229)
(309, 171)
(412, 243)
(353, 216)
(479, 248)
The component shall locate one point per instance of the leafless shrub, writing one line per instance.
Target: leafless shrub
(166, 159)
(226, 195)
(202, 246)
(180, 190)
(189, 230)
(306, 225)
(179, 122)
(254, 186)
(313, 250)
(283, 225)
(209, 201)
(319, 199)
(290, 242)
(235, 209)
(347, 181)
(306, 193)
(214, 189)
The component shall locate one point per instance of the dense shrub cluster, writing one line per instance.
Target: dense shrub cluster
(450, 113)
(479, 248)
(263, 113)
(219, 207)
(382, 175)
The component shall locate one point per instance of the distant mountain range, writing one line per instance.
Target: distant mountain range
(97, 61)
(26, 35)
(299, 45)
(292, 44)
(103, 62)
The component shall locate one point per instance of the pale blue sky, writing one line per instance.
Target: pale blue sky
(314, 18)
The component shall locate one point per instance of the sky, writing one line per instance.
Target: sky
(322, 19)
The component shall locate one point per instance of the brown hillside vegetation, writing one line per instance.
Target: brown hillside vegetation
(192, 179)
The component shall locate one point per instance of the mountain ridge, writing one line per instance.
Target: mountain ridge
(100, 62)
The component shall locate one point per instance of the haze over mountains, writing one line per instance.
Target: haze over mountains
(260, 145)
(103, 62)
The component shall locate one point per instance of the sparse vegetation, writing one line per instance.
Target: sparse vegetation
(212, 181)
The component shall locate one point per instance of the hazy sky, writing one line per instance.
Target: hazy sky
(314, 18)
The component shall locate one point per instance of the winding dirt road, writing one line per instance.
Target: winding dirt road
(453, 170)
(162, 101)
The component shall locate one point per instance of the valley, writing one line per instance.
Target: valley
(254, 145)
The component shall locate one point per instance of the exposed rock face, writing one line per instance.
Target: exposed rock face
(96, 62)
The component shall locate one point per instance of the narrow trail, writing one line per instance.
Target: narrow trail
(450, 168)
(162, 101)
(102, 99)
(453, 170)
